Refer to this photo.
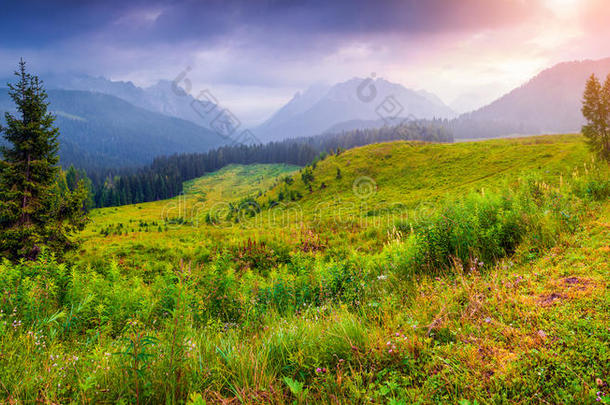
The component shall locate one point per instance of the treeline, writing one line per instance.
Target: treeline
(164, 177)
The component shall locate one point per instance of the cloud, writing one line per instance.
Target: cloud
(254, 51)
(277, 22)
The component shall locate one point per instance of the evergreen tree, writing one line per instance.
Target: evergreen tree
(37, 209)
(596, 110)
(73, 178)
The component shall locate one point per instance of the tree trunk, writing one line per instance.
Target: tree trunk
(24, 216)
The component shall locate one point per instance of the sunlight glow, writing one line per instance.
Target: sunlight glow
(563, 7)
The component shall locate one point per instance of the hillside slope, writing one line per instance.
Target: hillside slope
(379, 185)
(176, 227)
(548, 103)
(99, 130)
(402, 175)
(163, 97)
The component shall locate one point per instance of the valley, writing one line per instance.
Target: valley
(447, 274)
(305, 202)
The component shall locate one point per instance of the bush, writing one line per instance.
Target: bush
(484, 227)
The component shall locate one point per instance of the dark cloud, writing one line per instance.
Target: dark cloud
(444, 45)
(36, 23)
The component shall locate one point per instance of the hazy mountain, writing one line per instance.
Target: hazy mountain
(353, 125)
(100, 130)
(466, 103)
(321, 107)
(299, 104)
(163, 97)
(548, 103)
(433, 98)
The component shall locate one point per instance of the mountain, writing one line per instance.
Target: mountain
(321, 107)
(353, 125)
(548, 103)
(298, 105)
(100, 130)
(163, 97)
(467, 102)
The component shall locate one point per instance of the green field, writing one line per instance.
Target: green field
(405, 177)
(395, 273)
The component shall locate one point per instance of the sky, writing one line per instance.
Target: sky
(254, 55)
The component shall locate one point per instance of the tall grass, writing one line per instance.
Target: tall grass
(263, 323)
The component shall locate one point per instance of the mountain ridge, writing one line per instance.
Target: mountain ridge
(101, 130)
(318, 109)
(549, 102)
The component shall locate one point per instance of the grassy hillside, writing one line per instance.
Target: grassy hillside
(380, 185)
(408, 173)
(469, 273)
(150, 233)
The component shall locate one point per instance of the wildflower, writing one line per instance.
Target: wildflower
(382, 277)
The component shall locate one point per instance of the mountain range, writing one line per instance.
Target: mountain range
(164, 97)
(101, 131)
(107, 123)
(321, 108)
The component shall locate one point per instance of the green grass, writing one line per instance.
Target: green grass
(407, 177)
(409, 173)
(143, 234)
(368, 295)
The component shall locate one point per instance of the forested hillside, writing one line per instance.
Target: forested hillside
(164, 177)
(548, 103)
(103, 131)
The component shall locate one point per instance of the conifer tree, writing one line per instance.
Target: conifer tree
(596, 110)
(36, 210)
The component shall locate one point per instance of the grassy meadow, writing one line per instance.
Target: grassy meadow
(379, 185)
(395, 273)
